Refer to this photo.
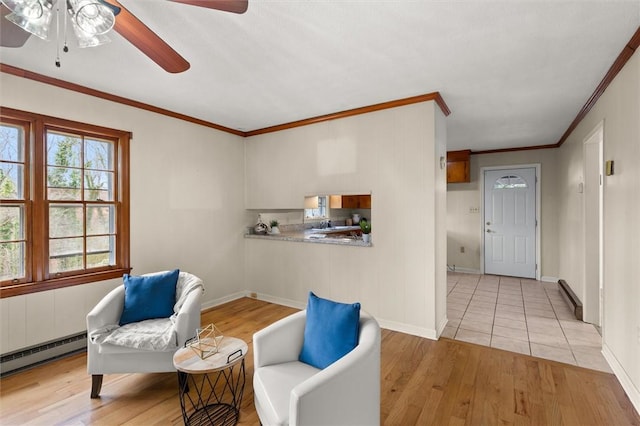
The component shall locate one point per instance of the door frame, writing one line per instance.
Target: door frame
(535, 166)
(598, 129)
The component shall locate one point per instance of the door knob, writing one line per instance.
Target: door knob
(488, 223)
(488, 231)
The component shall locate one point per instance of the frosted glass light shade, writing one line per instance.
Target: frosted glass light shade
(86, 40)
(91, 16)
(30, 9)
(38, 26)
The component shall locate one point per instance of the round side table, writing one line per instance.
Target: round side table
(211, 388)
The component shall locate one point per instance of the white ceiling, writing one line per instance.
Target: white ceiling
(514, 73)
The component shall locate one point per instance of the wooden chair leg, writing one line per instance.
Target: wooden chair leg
(96, 385)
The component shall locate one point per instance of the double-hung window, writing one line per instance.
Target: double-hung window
(64, 218)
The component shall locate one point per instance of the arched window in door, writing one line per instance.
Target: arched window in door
(509, 182)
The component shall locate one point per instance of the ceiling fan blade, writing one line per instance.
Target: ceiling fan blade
(148, 42)
(11, 35)
(234, 6)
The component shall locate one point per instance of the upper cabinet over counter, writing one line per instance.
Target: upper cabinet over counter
(350, 201)
(458, 166)
(358, 201)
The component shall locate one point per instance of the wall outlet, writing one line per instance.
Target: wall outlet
(461, 249)
(253, 295)
(474, 209)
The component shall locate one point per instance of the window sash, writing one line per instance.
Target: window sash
(102, 245)
(15, 248)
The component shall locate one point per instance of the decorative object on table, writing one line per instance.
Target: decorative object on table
(261, 228)
(355, 218)
(206, 342)
(274, 227)
(365, 227)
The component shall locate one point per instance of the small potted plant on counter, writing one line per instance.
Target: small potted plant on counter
(274, 227)
(365, 227)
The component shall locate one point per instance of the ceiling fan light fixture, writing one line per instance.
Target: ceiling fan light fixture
(92, 16)
(86, 40)
(38, 26)
(30, 9)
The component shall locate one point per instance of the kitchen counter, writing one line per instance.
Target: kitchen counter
(317, 236)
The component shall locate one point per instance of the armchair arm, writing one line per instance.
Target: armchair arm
(188, 318)
(279, 342)
(350, 386)
(107, 311)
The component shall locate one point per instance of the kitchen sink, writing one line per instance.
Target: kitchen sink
(335, 229)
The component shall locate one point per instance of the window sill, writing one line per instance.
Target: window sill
(55, 283)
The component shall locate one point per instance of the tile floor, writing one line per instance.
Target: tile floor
(520, 315)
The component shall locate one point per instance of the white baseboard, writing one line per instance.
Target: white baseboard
(464, 270)
(442, 325)
(627, 384)
(408, 329)
(281, 301)
(216, 302)
(389, 325)
(549, 279)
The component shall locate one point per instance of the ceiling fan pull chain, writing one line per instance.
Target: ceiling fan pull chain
(58, 34)
(65, 49)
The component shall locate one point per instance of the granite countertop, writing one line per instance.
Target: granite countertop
(316, 236)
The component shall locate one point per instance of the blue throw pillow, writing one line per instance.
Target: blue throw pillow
(331, 331)
(148, 297)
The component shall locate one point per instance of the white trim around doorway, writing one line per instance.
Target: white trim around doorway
(537, 167)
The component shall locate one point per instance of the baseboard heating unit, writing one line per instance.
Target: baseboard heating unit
(24, 358)
(572, 300)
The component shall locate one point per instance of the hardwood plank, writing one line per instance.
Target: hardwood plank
(423, 382)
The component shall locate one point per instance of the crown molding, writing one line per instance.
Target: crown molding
(19, 72)
(435, 96)
(622, 59)
(519, 148)
(624, 56)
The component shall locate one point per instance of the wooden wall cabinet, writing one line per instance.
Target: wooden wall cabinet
(458, 166)
(356, 201)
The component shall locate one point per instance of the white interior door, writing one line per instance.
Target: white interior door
(510, 222)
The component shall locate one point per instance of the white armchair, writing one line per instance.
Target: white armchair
(289, 392)
(105, 358)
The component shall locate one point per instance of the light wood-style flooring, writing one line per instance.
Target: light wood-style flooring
(424, 382)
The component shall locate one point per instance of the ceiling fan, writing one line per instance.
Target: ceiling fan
(91, 19)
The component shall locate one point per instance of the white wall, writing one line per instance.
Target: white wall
(619, 108)
(394, 154)
(187, 208)
(465, 228)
